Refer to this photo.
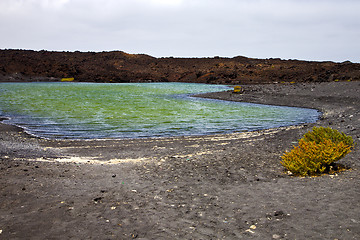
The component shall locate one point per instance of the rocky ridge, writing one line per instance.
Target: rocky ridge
(118, 66)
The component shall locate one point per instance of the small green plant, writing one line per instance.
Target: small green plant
(316, 151)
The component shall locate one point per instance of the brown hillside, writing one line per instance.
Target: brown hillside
(118, 66)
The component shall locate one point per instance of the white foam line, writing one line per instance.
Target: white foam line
(89, 160)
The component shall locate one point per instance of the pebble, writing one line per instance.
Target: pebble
(157, 197)
(275, 236)
(279, 213)
(249, 230)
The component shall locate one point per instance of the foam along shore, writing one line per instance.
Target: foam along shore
(136, 110)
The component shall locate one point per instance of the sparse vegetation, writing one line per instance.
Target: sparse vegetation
(317, 151)
(67, 79)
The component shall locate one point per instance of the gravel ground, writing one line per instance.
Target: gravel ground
(208, 187)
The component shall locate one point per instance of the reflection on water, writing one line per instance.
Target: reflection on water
(134, 110)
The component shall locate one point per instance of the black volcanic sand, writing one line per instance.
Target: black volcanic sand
(210, 187)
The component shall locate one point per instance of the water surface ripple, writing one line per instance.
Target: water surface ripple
(135, 110)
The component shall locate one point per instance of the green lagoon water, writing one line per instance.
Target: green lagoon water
(135, 110)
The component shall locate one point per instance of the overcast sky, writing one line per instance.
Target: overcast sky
(288, 29)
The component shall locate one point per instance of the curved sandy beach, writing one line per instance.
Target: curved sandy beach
(209, 187)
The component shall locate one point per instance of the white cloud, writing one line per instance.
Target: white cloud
(313, 30)
(166, 2)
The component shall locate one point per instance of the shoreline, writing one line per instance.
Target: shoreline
(228, 186)
(216, 96)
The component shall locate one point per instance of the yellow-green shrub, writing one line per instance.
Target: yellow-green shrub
(316, 151)
(319, 134)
